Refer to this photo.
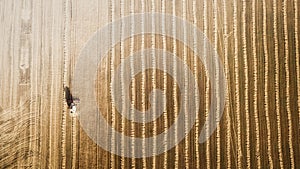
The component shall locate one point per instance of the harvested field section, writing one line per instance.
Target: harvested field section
(46, 46)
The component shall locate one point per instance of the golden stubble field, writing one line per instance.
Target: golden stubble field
(257, 43)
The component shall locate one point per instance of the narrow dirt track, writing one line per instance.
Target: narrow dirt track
(257, 42)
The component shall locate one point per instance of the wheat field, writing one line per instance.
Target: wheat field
(257, 43)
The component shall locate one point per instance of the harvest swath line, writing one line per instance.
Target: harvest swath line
(143, 85)
(255, 71)
(207, 87)
(165, 118)
(277, 85)
(237, 93)
(196, 75)
(245, 57)
(246, 92)
(186, 143)
(228, 118)
(215, 31)
(122, 6)
(266, 100)
(174, 84)
(133, 102)
(286, 64)
(112, 70)
(297, 54)
(153, 79)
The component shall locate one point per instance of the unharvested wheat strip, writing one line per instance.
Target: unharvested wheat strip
(153, 80)
(12, 95)
(143, 87)
(186, 142)
(206, 89)
(215, 20)
(174, 84)
(10, 46)
(3, 47)
(257, 149)
(297, 54)
(2, 28)
(74, 142)
(244, 37)
(9, 53)
(97, 148)
(36, 25)
(15, 52)
(56, 77)
(34, 90)
(228, 131)
(74, 128)
(63, 139)
(36, 65)
(286, 64)
(266, 82)
(163, 24)
(51, 118)
(113, 113)
(194, 8)
(277, 100)
(66, 36)
(26, 17)
(122, 83)
(133, 91)
(237, 92)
